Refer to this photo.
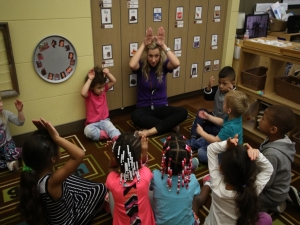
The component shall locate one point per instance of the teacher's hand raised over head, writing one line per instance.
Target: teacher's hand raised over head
(160, 38)
(149, 36)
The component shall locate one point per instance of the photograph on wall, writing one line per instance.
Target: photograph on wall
(132, 16)
(156, 14)
(177, 44)
(217, 11)
(198, 13)
(132, 80)
(133, 47)
(196, 43)
(179, 13)
(107, 52)
(105, 16)
(194, 70)
(105, 3)
(216, 64)
(176, 72)
(214, 40)
(207, 65)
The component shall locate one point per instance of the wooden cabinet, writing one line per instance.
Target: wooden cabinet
(276, 63)
(285, 36)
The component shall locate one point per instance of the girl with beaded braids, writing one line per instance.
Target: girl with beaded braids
(174, 186)
(55, 197)
(236, 183)
(128, 180)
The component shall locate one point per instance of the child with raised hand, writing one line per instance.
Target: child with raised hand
(279, 150)
(98, 125)
(174, 186)
(235, 104)
(55, 197)
(235, 183)
(128, 180)
(217, 94)
(9, 153)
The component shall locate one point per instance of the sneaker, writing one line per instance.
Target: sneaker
(195, 164)
(294, 195)
(281, 207)
(13, 165)
(206, 180)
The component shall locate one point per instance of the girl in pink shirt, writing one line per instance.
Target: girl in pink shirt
(128, 180)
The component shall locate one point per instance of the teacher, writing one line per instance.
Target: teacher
(152, 62)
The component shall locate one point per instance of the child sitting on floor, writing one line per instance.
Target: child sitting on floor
(129, 189)
(56, 197)
(235, 184)
(174, 187)
(235, 104)
(279, 150)
(98, 124)
(9, 153)
(216, 94)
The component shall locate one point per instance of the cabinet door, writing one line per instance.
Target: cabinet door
(178, 33)
(216, 20)
(132, 31)
(196, 38)
(110, 37)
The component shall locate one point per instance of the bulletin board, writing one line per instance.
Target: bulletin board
(55, 59)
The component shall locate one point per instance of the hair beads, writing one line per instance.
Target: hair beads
(176, 158)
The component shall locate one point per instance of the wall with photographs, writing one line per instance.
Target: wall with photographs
(61, 103)
(29, 22)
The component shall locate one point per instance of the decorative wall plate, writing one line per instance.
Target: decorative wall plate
(55, 59)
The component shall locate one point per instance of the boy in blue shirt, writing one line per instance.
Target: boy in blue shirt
(235, 104)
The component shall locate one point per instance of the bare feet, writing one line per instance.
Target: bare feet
(147, 133)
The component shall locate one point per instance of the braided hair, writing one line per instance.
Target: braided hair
(176, 159)
(127, 151)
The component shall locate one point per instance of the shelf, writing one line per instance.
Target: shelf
(254, 134)
(271, 98)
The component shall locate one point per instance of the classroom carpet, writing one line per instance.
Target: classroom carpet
(95, 167)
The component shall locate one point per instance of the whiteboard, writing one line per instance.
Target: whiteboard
(292, 2)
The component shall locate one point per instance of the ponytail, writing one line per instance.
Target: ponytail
(246, 202)
(240, 172)
(30, 206)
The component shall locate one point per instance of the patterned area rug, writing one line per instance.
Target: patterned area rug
(95, 164)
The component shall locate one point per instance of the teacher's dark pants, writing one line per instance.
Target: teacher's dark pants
(163, 118)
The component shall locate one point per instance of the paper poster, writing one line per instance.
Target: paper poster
(196, 43)
(133, 47)
(132, 80)
(194, 70)
(216, 64)
(105, 16)
(107, 52)
(176, 72)
(198, 13)
(157, 15)
(214, 40)
(179, 13)
(133, 16)
(177, 44)
(217, 11)
(207, 65)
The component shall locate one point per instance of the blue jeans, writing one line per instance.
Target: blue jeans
(207, 126)
(92, 130)
(199, 144)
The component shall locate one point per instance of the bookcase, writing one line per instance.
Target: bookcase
(276, 63)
